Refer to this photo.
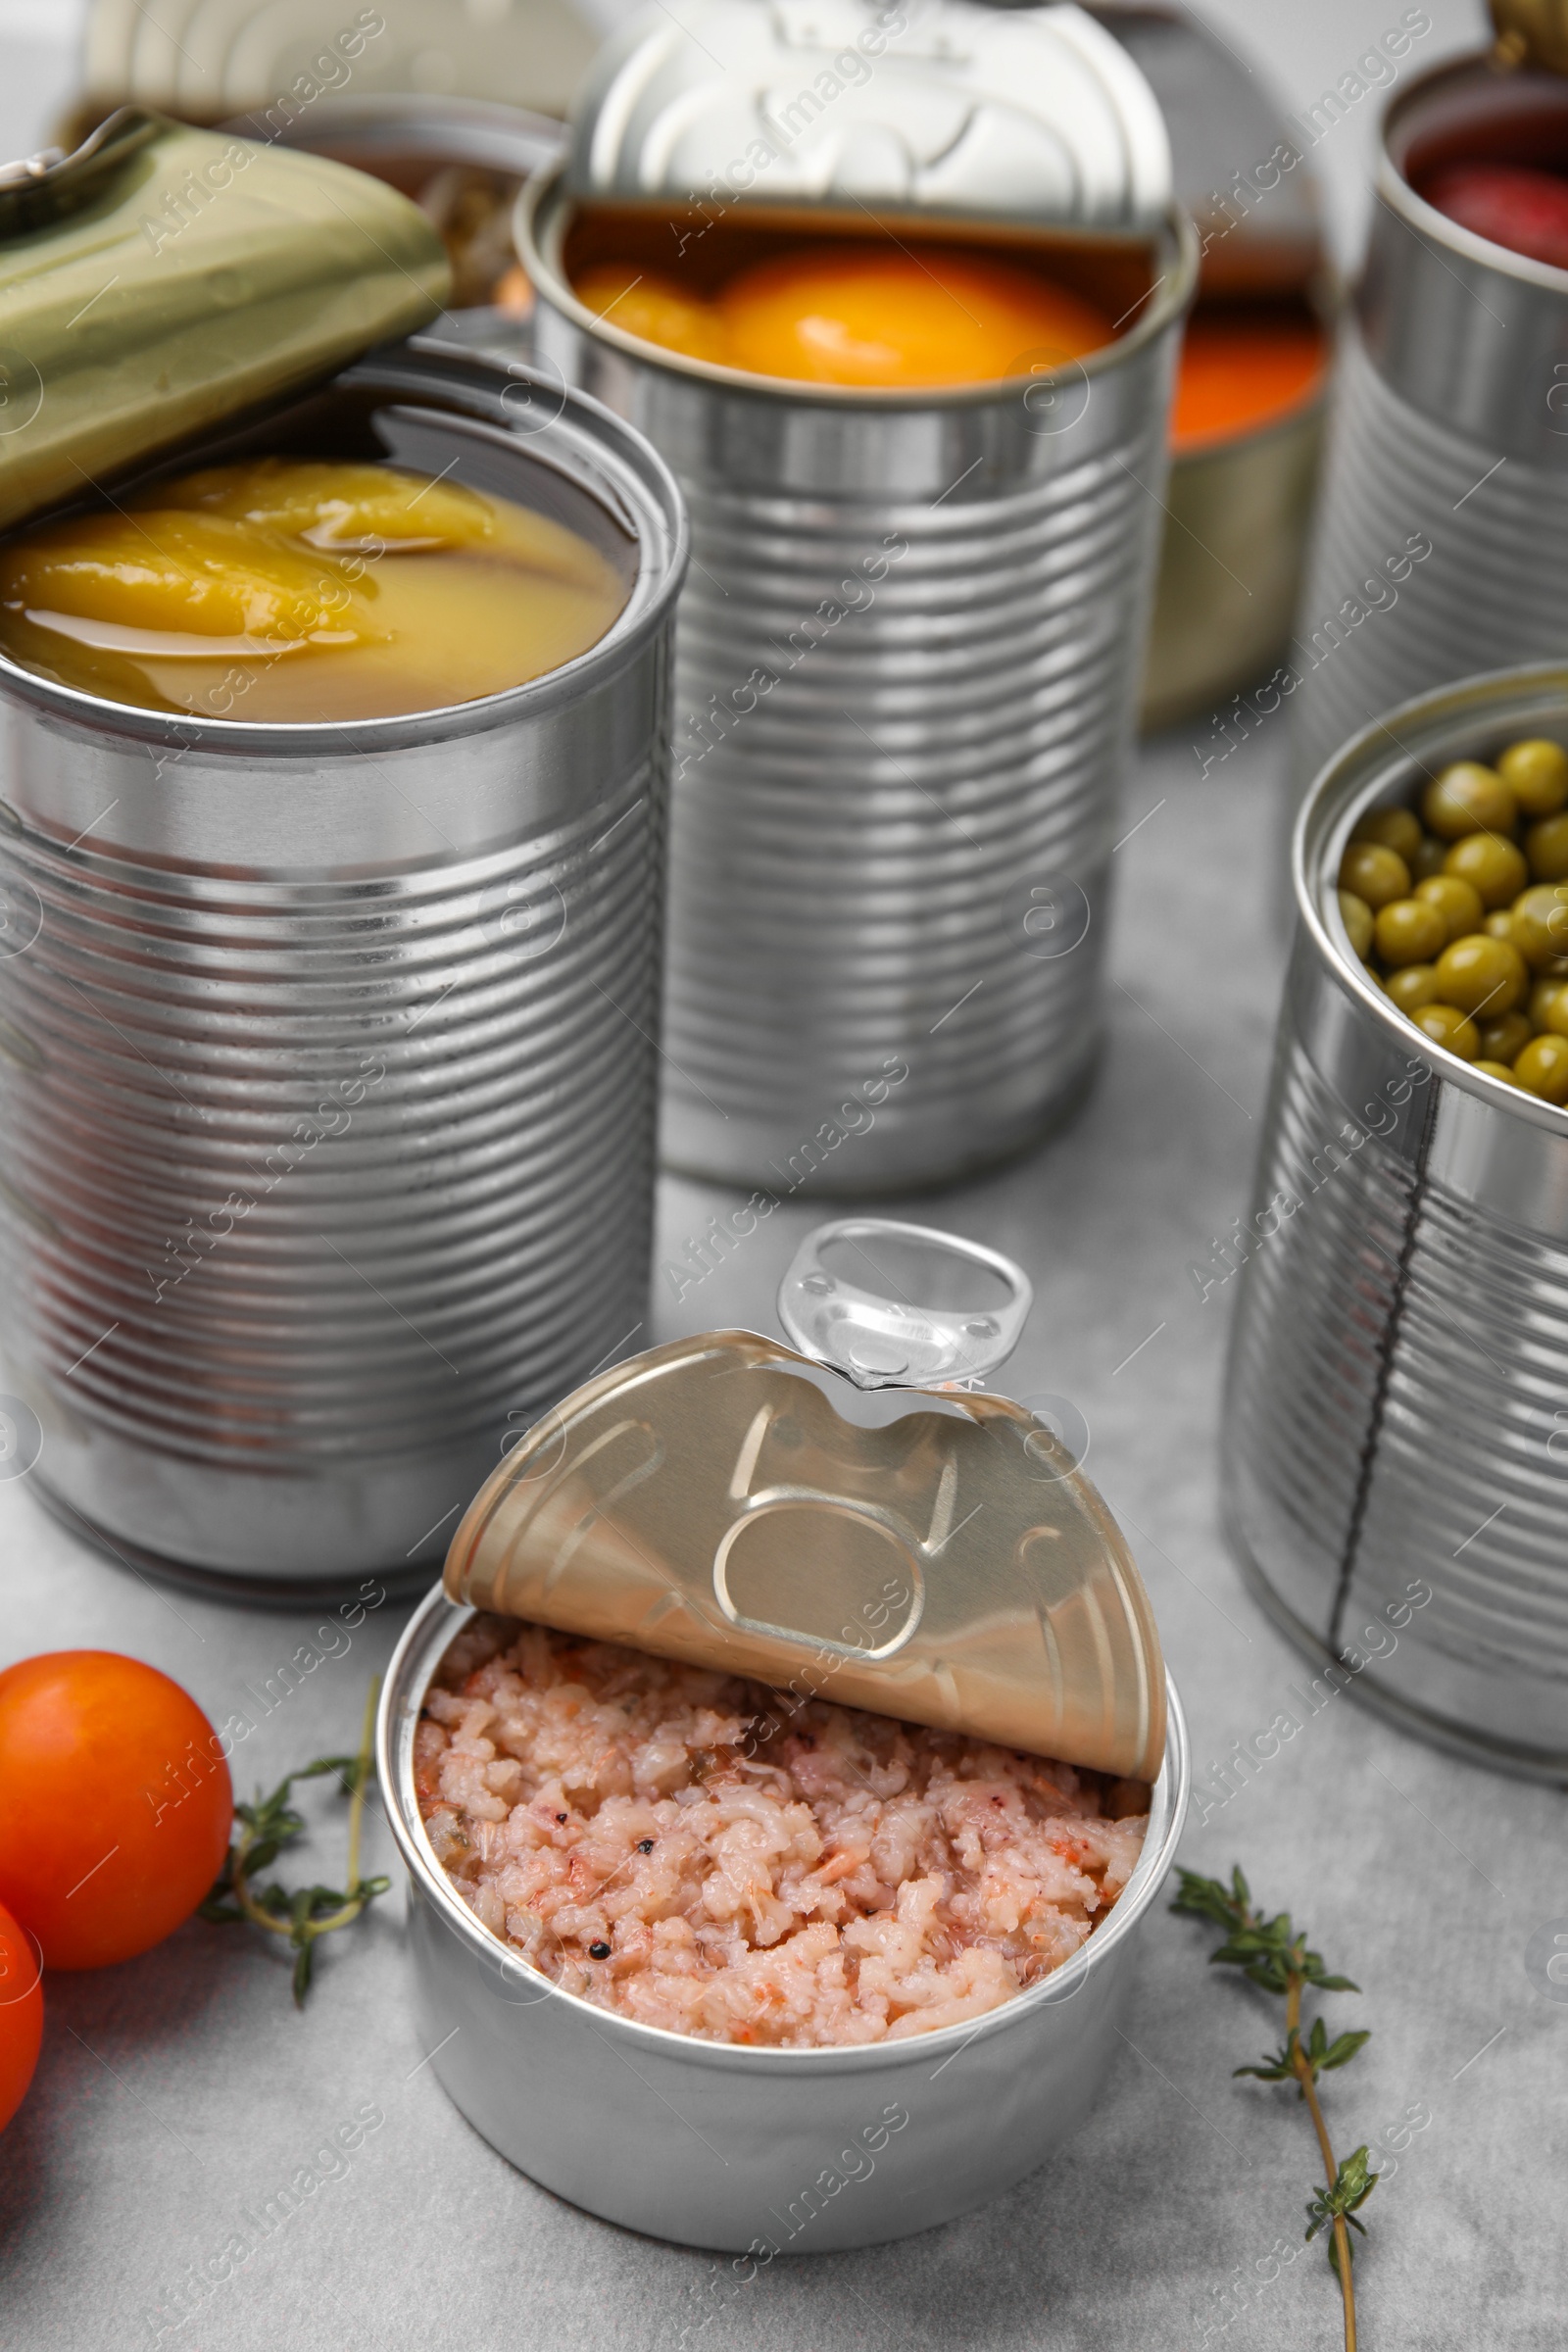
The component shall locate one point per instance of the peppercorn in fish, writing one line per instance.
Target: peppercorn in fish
(715, 1857)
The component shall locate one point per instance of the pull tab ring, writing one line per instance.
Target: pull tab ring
(883, 1342)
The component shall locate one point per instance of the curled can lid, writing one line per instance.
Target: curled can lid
(932, 1555)
(1035, 116)
(163, 280)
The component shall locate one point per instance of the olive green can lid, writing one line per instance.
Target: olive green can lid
(931, 1554)
(162, 279)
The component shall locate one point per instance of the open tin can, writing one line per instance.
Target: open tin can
(1396, 1458)
(759, 2149)
(1238, 498)
(908, 651)
(1441, 546)
(326, 1050)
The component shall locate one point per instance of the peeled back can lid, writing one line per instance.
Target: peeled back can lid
(1032, 116)
(809, 1520)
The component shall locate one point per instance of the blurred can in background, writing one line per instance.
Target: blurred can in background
(1441, 543)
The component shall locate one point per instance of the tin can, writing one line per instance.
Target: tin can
(1231, 562)
(1441, 543)
(1395, 1433)
(1239, 507)
(890, 866)
(715, 2144)
(907, 657)
(329, 1066)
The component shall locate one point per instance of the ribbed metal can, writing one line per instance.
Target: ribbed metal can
(732, 2146)
(906, 679)
(328, 1052)
(1396, 1431)
(1441, 541)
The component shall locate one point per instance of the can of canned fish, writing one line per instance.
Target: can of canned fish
(327, 1048)
(1395, 1433)
(1040, 1632)
(1441, 541)
(717, 2145)
(908, 651)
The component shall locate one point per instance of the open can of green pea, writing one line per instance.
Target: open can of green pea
(1397, 1421)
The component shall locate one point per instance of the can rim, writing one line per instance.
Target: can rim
(1401, 199)
(420, 365)
(424, 1641)
(1173, 291)
(1333, 802)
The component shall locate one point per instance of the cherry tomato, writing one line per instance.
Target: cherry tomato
(20, 2015)
(117, 1804)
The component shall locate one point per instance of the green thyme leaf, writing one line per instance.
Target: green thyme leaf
(263, 1827)
(1274, 1955)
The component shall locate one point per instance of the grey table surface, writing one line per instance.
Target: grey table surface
(182, 2088)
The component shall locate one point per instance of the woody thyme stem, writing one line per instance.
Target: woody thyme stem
(1341, 2235)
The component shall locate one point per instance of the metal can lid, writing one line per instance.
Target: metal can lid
(932, 1555)
(1034, 116)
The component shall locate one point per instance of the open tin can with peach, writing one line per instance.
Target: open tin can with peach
(899, 299)
(783, 1771)
(1396, 1430)
(331, 869)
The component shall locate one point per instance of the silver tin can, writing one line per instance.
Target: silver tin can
(1441, 541)
(889, 867)
(712, 2144)
(328, 1070)
(1239, 507)
(1396, 1426)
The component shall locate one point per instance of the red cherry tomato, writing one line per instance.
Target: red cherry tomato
(117, 1804)
(1512, 205)
(21, 2016)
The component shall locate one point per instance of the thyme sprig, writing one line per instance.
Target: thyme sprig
(1274, 1954)
(302, 1913)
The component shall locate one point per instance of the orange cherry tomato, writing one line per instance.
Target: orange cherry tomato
(20, 2015)
(117, 1804)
